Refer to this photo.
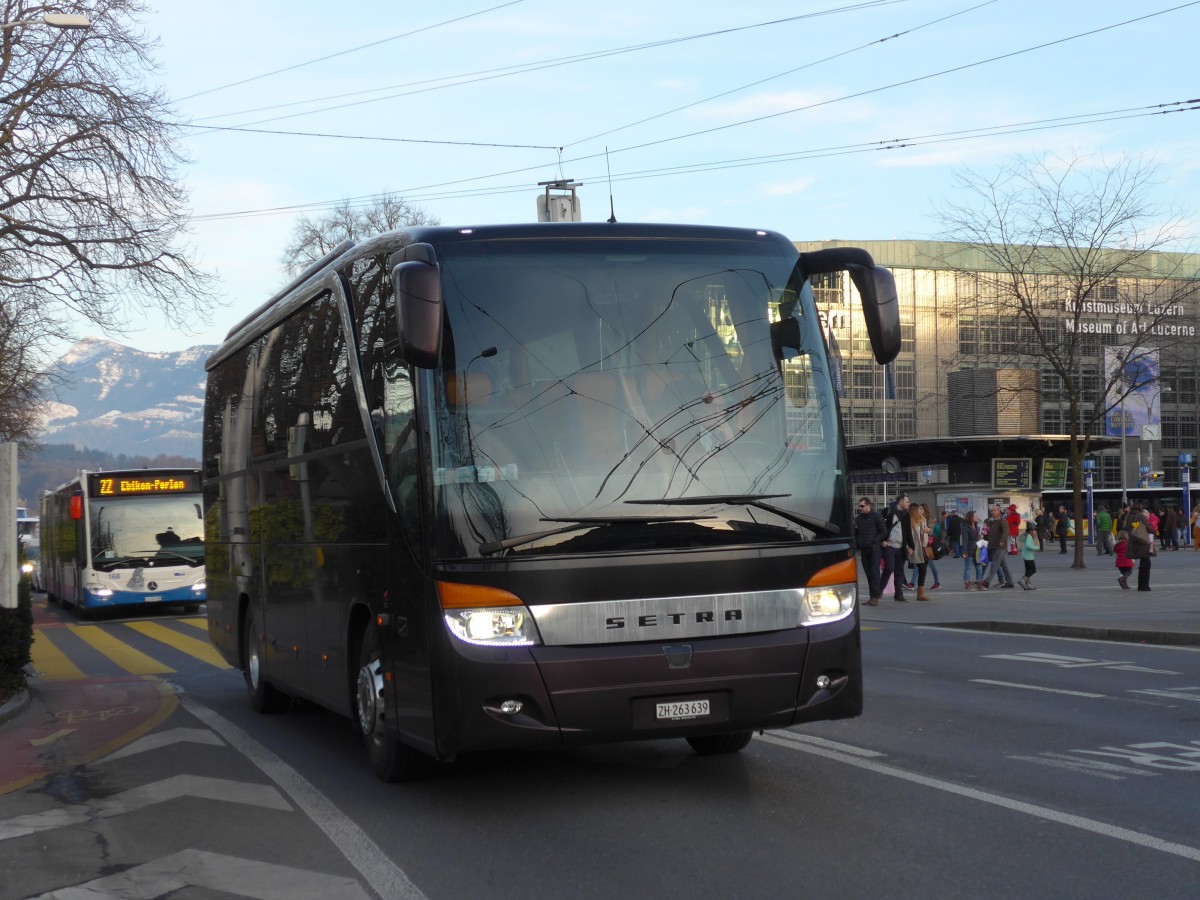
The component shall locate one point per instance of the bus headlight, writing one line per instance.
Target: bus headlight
(486, 616)
(27, 568)
(827, 603)
(510, 626)
(199, 587)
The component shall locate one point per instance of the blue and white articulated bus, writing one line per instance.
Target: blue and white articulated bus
(125, 538)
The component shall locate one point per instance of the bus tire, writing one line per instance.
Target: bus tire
(264, 696)
(191, 608)
(392, 759)
(713, 744)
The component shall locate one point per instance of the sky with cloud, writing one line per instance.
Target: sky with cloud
(816, 118)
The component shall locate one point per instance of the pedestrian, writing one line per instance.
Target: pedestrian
(1043, 527)
(1062, 524)
(1124, 563)
(1121, 522)
(954, 533)
(997, 548)
(1029, 555)
(1014, 529)
(1141, 543)
(922, 536)
(896, 545)
(869, 533)
(1103, 531)
(1196, 527)
(936, 536)
(972, 571)
(1168, 533)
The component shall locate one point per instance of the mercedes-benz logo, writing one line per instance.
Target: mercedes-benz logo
(153, 585)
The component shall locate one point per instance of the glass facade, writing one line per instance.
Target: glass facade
(958, 312)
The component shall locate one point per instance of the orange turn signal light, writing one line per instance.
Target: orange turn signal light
(844, 572)
(454, 595)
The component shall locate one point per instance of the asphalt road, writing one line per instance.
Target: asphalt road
(986, 765)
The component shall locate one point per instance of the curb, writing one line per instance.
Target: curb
(15, 705)
(1121, 635)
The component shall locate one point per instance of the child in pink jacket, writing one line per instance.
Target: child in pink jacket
(1124, 563)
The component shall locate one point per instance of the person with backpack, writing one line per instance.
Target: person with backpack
(897, 545)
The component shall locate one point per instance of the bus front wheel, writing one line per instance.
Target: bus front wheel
(264, 697)
(712, 744)
(391, 759)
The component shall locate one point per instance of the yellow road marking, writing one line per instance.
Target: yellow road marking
(51, 738)
(132, 661)
(200, 623)
(50, 662)
(202, 650)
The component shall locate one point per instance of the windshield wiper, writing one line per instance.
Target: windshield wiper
(578, 524)
(756, 500)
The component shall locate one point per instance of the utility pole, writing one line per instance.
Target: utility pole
(10, 569)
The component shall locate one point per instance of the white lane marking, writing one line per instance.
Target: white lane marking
(950, 632)
(1037, 687)
(1029, 809)
(827, 744)
(143, 796)
(1085, 766)
(160, 739)
(1076, 662)
(216, 872)
(1175, 694)
(385, 877)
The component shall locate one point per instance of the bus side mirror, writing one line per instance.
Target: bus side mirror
(876, 287)
(881, 309)
(77, 506)
(417, 287)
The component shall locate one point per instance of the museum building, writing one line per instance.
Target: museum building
(970, 364)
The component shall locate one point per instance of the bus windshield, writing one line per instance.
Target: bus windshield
(601, 395)
(135, 531)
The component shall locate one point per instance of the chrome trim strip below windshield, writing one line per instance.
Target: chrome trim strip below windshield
(667, 618)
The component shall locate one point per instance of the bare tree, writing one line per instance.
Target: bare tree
(313, 238)
(21, 383)
(92, 216)
(1073, 250)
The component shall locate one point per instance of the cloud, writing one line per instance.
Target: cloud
(787, 188)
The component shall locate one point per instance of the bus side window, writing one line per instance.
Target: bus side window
(400, 445)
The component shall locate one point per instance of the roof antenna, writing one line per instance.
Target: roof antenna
(612, 212)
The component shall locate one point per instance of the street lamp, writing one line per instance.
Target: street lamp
(54, 20)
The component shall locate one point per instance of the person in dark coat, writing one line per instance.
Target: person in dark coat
(869, 533)
(1141, 543)
(1062, 524)
(954, 524)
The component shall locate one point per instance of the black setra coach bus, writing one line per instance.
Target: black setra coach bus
(515, 486)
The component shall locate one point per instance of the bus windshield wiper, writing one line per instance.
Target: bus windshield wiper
(578, 524)
(756, 500)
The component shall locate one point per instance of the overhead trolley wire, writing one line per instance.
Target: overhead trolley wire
(857, 94)
(887, 144)
(507, 71)
(310, 62)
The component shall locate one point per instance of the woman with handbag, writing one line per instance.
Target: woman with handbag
(922, 535)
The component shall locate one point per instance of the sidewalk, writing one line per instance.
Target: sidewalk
(1067, 602)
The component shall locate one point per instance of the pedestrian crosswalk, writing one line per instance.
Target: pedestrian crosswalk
(64, 652)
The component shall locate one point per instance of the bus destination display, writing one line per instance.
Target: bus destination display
(124, 485)
(1012, 474)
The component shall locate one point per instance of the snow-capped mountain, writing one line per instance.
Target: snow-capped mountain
(117, 399)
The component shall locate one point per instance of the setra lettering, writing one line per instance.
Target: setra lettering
(654, 620)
